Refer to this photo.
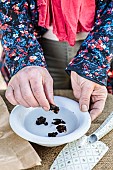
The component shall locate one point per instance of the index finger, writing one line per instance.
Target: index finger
(38, 92)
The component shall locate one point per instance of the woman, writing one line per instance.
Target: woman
(30, 82)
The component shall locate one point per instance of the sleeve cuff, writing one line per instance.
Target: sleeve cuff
(102, 80)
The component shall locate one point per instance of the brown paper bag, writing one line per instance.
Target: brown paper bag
(15, 152)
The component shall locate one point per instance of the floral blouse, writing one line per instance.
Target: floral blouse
(20, 33)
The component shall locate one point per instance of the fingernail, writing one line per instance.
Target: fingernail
(84, 108)
(46, 108)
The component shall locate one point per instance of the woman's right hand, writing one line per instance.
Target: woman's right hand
(31, 87)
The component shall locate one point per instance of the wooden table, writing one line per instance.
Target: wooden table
(49, 154)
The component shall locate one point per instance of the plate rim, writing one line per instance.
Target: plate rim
(50, 140)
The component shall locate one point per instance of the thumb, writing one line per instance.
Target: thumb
(85, 96)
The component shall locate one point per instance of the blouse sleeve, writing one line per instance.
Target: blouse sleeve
(93, 58)
(19, 38)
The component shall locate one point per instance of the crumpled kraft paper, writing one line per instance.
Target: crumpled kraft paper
(15, 152)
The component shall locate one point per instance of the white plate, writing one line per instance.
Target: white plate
(23, 122)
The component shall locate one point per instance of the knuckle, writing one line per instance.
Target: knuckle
(20, 76)
(27, 71)
(88, 88)
(36, 91)
(31, 74)
(33, 69)
(14, 80)
(8, 94)
(9, 97)
(17, 98)
(85, 99)
(26, 97)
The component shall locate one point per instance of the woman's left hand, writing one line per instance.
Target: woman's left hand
(91, 96)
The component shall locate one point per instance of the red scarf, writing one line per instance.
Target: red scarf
(68, 17)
